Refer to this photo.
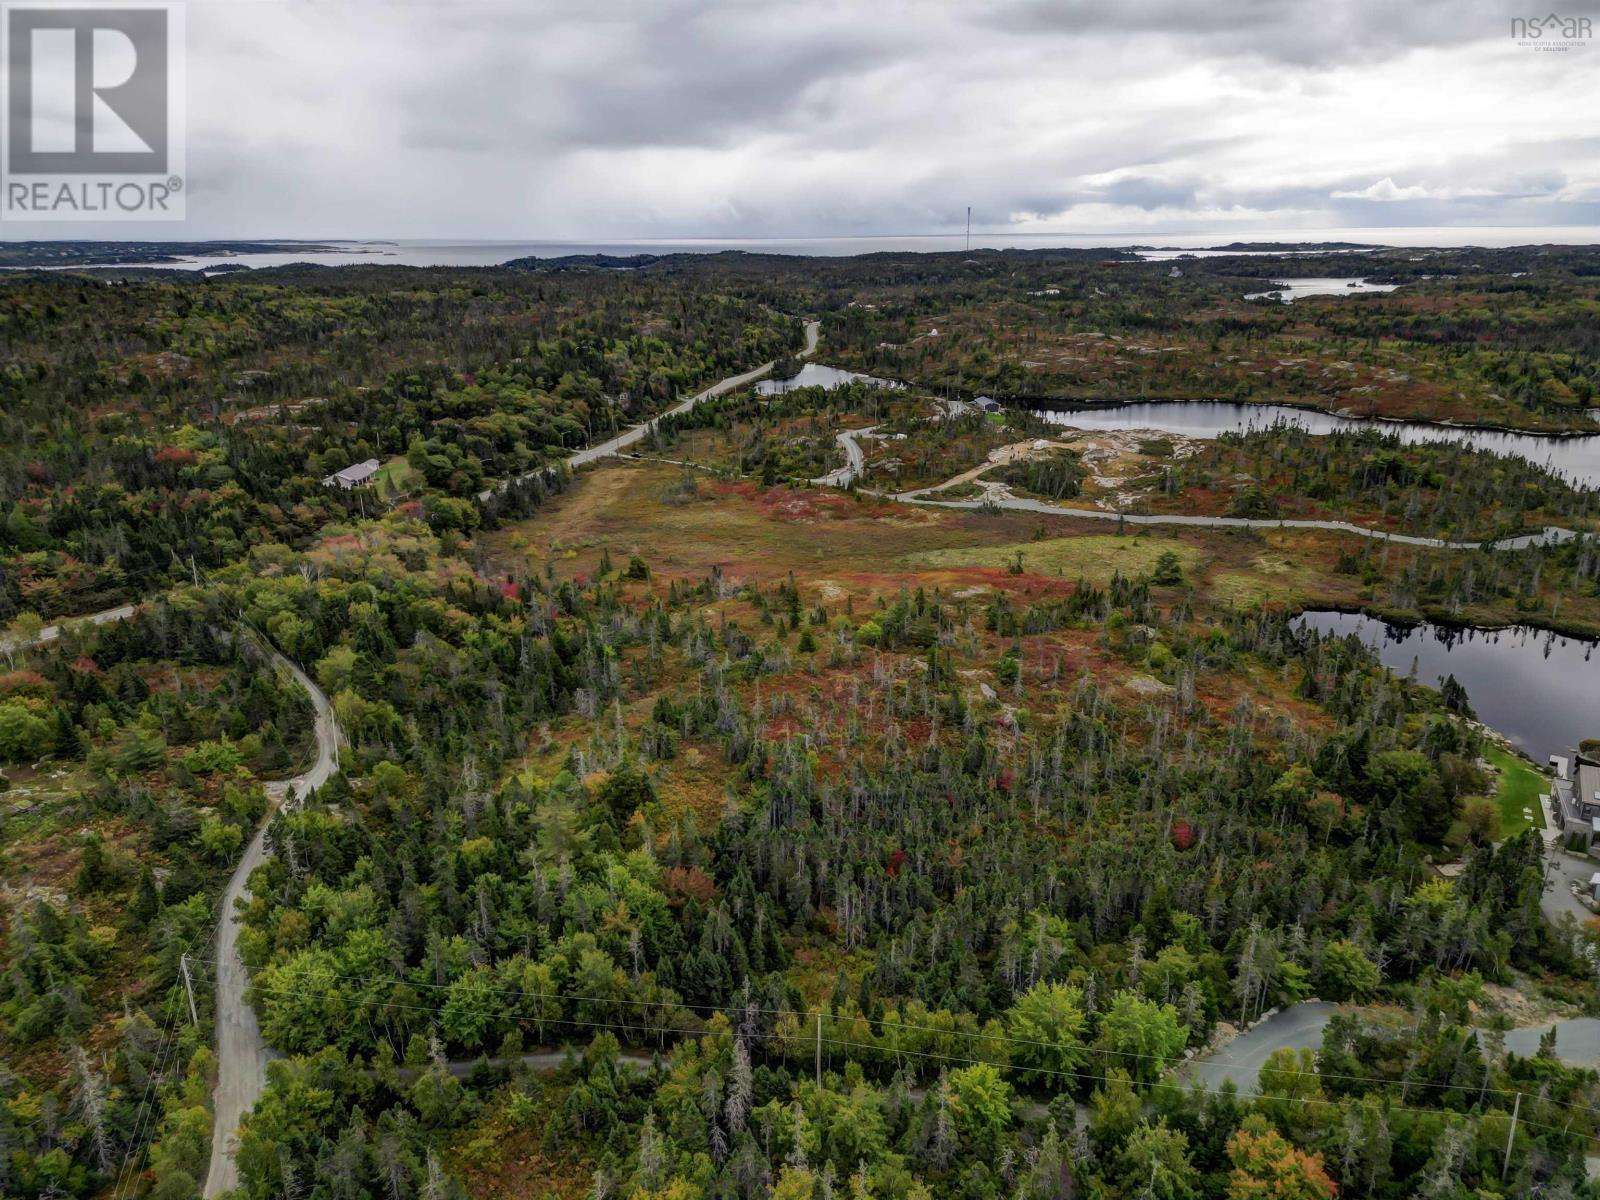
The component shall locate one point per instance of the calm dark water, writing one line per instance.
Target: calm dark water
(1535, 687)
(1576, 458)
(817, 375)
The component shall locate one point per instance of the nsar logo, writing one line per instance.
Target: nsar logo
(1553, 32)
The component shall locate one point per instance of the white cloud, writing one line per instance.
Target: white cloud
(1385, 190)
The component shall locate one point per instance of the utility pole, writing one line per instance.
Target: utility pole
(1511, 1136)
(819, 1049)
(969, 227)
(188, 987)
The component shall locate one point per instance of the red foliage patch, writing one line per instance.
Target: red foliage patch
(1182, 834)
(897, 859)
(23, 681)
(689, 883)
(174, 456)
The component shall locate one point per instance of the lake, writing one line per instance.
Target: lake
(818, 375)
(1575, 457)
(1535, 687)
(1290, 290)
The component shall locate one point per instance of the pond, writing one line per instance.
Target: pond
(1530, 685)
(1290, 290)
(818, 375)
(1575, 457)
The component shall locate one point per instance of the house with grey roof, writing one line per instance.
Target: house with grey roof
(1575, 797)
(355, 476)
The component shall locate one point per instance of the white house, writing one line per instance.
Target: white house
(352, 477)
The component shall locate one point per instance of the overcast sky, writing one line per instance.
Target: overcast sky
(608, 120)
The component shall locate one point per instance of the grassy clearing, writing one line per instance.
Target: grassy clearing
(1271, 578)
(1094, 558)
(1519, 787)
(684, 524)
(395, 477)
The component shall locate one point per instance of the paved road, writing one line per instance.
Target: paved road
(1558, 900)
(1300, 1026)
(1577, 1041)
(1241, 1060)
(855, 462)
(51, 632)
(242, 1055)
(1560, 870)
(630, 436)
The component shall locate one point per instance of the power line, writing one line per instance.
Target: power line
(806, 1038)
(164, 1053)
(734, 1009)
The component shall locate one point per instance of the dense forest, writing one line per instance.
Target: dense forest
(690, 836)
(156, 426)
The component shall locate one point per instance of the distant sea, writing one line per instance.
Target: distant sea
(450, 253)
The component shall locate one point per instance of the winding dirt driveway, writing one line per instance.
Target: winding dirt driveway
(1550, 534)
(242, 1055)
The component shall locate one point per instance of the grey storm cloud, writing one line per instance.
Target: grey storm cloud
(738, 118)
(678, 77)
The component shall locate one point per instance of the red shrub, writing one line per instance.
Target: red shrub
(688, 884)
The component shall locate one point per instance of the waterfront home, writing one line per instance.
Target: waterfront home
(352, 477)
(1575, 797)
(987, 404)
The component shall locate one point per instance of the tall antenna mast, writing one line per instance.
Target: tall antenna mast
(969, 227)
